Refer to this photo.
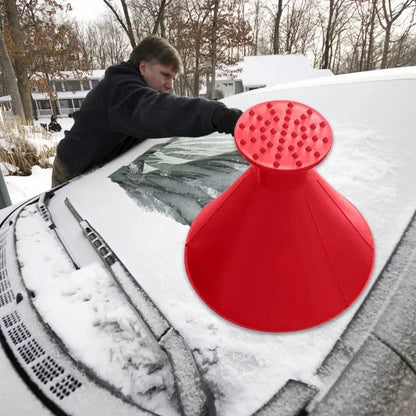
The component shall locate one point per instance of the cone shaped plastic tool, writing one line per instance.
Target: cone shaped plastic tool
(280, 249)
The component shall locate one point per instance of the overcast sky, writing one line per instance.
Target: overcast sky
(87, 9)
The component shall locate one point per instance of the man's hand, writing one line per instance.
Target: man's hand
(225, 119)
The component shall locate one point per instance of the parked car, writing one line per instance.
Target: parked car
(97, 315)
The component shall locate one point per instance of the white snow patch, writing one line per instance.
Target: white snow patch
(21, 188)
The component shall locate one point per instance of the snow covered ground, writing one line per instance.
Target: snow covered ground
(21, 188)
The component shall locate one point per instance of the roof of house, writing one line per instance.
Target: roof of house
(76, 75)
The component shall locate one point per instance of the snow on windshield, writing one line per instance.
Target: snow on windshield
(239, 364)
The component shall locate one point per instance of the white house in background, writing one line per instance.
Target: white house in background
(71, 90)
(265, 71)
(224, 87)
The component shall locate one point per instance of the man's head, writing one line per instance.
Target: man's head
(158, 62)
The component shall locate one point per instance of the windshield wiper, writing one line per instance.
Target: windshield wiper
(42, 206)
(194, 396)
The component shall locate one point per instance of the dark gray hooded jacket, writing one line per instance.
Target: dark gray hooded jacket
(122, 111)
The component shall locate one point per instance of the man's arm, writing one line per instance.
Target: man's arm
(136, 110)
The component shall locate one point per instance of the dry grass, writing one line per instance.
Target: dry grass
(17, 150)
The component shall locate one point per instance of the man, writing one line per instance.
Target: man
(132, 103)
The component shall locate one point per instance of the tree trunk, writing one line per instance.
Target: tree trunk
(276, 37)
(328, 37)
(10, 79)
(390, 16)
(256, 28)
(214, 48)
(386, 47)
(21, 70)
(127, 27)
(369, 61)
(128, 22)
(197, 58)
(159, 18)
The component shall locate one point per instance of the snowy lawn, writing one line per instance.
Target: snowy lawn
(21, 188)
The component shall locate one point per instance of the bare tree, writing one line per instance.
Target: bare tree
(333, 25)
(408, 56)
(115, 47)
(19, 55)
(399, 56)
(103, 42)
(344, 35)
(51, 45)
(10, 79)
(276, 33)
(258, 6)
(208, 34)
(298, 28)
(388, 15)
(144, 15)
(228, 32)
(159, 26)
(90, 44)
(370, 38)
(214, 38)
(362, 34)
(124, 22)
(191, 35)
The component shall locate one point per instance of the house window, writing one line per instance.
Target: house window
(85, 84)
(58, 86)
(44, 104)
(65, 103)
(94, 82)
(66, 106)
(73, 85)
(77, 103)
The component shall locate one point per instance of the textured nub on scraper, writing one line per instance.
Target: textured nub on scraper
(283, 135)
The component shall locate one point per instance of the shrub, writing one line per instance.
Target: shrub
(24, 146)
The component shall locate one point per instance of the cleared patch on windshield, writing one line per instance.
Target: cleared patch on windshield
(180, 177)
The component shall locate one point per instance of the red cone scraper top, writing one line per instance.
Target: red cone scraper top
(280, 249)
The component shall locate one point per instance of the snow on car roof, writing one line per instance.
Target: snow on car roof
(269, 70)
(408, 72)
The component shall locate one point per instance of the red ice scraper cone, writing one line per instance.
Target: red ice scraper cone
(280, 249)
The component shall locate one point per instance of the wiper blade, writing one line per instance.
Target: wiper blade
(194, 395)
(42, 207)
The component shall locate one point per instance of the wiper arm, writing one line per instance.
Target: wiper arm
(42, 207)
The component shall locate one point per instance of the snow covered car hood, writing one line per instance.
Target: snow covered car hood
(142, 204)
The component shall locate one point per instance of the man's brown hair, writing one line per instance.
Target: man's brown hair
(154, 49)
